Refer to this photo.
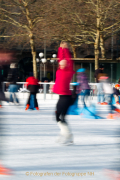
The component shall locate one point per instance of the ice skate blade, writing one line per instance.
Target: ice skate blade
(68, 143)
(61, 140)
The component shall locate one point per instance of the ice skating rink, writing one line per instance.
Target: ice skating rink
(29, 145)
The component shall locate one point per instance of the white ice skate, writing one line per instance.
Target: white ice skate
(17, 103)
(65, 135)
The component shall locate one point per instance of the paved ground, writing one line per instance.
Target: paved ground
(29, 147)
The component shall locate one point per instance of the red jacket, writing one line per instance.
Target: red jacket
(62, 83)
(64, 76)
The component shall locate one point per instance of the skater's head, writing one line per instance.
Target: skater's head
(117, 86)
(64, 44)
(101, 67)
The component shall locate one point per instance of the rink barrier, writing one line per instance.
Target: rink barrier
(45, 90)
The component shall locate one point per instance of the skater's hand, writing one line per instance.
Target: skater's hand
(52, 88)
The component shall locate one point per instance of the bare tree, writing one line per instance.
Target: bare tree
(85, 21)
(20, 18)
(76, 21)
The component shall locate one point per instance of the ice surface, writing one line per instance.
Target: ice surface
(29, 145)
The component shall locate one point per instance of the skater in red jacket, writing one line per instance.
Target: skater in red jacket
(32, 86)
(62, 87)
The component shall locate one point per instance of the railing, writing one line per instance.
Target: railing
(46, 89)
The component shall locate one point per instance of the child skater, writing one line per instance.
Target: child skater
(33, 86)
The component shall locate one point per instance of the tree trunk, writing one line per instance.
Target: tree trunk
(74, 51)
(102, 46)
(97, 44)
(33, 52)
(74, 56)
(32, 44)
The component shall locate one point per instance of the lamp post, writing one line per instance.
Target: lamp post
(111, 72)
(43, 60)
(90, 71)
(52, 61)
(38, 61)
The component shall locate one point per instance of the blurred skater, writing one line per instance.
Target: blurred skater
(40, 87)
(12, 79)
(3, 170)
(62, 87)
(100, 91)
(74, 109)
(74, 94)
(96, 75)
(116, 91)
(98, 71)
(51, 86)
(119, 81)
(108, 90)
(2, 94)
(114, 175)
(33, 86)
(83, 89)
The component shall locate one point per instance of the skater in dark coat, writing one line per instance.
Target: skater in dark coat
(98, 71)
(3, 170)
(2, 95)
(33, 86)
(12, 81)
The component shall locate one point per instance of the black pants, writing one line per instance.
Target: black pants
(62, 106)
(35, 100)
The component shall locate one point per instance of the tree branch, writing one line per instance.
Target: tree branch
(12, 13)
(15, 35)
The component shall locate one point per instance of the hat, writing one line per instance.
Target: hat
(117, 85)
(101, 66)
(81, 70)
